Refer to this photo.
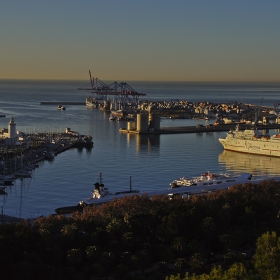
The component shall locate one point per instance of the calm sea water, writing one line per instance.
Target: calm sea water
(151, 161)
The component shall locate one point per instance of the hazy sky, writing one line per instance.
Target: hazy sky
(187, 40)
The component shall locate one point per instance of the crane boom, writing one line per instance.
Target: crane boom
(91, 79)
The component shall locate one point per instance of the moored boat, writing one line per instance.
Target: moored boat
(251, 141)
(101, 194)
(210, 179)
(118, 113)
(5, 181)
(23, 173)
(91, 102)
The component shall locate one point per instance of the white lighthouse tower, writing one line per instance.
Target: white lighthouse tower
(11, 136)
(12, 129)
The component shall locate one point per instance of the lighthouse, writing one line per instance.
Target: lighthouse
(12, 132)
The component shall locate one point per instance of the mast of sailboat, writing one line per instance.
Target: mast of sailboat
(130, 187)
(100, 178)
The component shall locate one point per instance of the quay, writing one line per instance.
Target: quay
(61, 102)
(200, 129)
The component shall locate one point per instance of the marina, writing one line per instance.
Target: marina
(22, 151)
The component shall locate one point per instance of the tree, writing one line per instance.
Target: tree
(181, 265)
(209, 227)
(237, 271)
(267, 256)
(180, 245)
(75, 256)
(196, 262)
(93, 253)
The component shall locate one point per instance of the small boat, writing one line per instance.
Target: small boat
(101, 194)
(91, 102)
(22, 173)
(118, 113)
(113, 118)
(60, 107)
(6, 182)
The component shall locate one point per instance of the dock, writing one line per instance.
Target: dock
(201, 129)
(62, 102)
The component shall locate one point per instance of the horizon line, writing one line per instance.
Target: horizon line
(137, 80)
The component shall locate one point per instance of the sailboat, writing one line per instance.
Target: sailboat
(22, 172)
(4, 179)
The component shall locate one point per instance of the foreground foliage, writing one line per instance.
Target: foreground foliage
(133, 236)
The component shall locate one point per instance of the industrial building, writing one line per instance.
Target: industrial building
(145, 123)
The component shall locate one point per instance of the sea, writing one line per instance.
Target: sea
(147, 162)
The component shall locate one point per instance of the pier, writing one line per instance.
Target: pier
(62, 102)
(200, 129)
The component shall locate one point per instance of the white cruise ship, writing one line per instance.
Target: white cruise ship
(252, 142)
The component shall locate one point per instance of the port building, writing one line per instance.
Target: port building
(144, 123)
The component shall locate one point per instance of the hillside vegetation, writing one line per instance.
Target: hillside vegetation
(230, 234)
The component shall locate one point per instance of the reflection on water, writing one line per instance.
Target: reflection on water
(255, 164)
(144, 142)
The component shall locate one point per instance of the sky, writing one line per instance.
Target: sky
(146, 40)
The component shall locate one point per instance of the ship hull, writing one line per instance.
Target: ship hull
(91, 102)
(257, 147)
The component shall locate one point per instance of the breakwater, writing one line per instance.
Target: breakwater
(62, 103)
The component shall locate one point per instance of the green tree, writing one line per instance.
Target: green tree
(181, 265)
(209, 227)
(237, 271)
(196, 262)
(93, 252)
(267, 256)
(179, 245)
(75, 256)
